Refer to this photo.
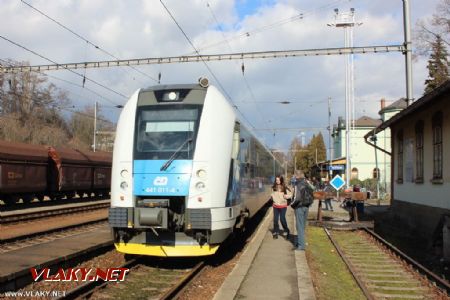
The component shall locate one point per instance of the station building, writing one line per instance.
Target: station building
(420, 159)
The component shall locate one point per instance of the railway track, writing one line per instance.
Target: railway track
(164, 278)
(146, 280)
(8, 218)
(24, 241)
(384, 272)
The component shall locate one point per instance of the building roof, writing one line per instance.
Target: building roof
(425, 100)
(400, 104)
(335, 161)
(366, 121)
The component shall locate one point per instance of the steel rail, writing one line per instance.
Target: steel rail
(440, 282)
(19, 217)
(86, 289)
(176, 290)
(207, 58)
(43, 233)
(350, 267)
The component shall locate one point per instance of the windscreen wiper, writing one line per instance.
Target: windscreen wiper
(172, 158)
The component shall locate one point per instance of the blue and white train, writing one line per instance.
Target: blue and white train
(185, 172)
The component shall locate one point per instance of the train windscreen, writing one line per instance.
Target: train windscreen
(164, 131)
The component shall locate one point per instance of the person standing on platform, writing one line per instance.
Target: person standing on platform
(280, 194)
(301, 201)
(328, 196)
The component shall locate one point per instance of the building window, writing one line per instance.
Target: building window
(376, 173)
(354, 173)
(437, 146)
(419, 151)
(400, 157)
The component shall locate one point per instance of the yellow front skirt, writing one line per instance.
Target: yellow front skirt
(166, 251)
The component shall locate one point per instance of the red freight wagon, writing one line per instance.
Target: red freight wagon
(23, 171)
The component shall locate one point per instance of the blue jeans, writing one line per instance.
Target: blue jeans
(301, 217)
(328, 204)
(279, 214)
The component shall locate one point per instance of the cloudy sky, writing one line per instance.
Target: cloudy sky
(144, 28)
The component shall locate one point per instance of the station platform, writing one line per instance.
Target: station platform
(15, 271)
(271, 268)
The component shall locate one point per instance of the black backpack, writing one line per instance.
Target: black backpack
(303, 196)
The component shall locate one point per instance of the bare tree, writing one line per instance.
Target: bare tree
(82, 128)
(427, 30)
(29, 109)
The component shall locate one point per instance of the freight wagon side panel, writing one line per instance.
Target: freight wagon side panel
(76, 178)
(102, 178)
(22, 178)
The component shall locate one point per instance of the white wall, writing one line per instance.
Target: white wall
(426, 193)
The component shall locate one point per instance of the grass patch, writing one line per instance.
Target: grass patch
(330, 276)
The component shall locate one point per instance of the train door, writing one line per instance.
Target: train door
(234, 181)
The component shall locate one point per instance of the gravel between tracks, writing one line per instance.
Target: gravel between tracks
(206, 285)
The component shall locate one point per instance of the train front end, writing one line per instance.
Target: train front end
(160, 192)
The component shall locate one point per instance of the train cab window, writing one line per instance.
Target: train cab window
(163, 130)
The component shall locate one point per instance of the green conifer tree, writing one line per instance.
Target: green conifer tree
(437, 65)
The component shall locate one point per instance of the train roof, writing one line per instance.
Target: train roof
(195, 86)
(99, 157)
(22, 151)
(75, 156)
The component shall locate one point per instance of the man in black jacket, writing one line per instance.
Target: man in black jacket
(301, 209)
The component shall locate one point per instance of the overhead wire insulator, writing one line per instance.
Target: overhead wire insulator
(243, 68)
(159, 77)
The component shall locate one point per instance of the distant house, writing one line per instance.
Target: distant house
(421, 162)
(362, 156)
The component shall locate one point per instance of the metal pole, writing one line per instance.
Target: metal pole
(285, 169)
(408, 51)
(377, 170)
(295, 162)
(352, 77)
(330, 172)
(95, 126)
(347, 114)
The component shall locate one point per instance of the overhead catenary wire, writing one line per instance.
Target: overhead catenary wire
(250, 90)
(271, 54)
(299, 16)
(85, 39)
(68, 82)
(70, 70)
(204, 62)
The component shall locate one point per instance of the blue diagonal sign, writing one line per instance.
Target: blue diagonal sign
(337, 182)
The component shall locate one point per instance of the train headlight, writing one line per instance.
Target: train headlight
(200, 185)
(201, 173)
(124, 173)
(124, 185)
(203, 82)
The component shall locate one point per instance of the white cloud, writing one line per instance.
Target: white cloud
(132, 29)
(109, 32)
